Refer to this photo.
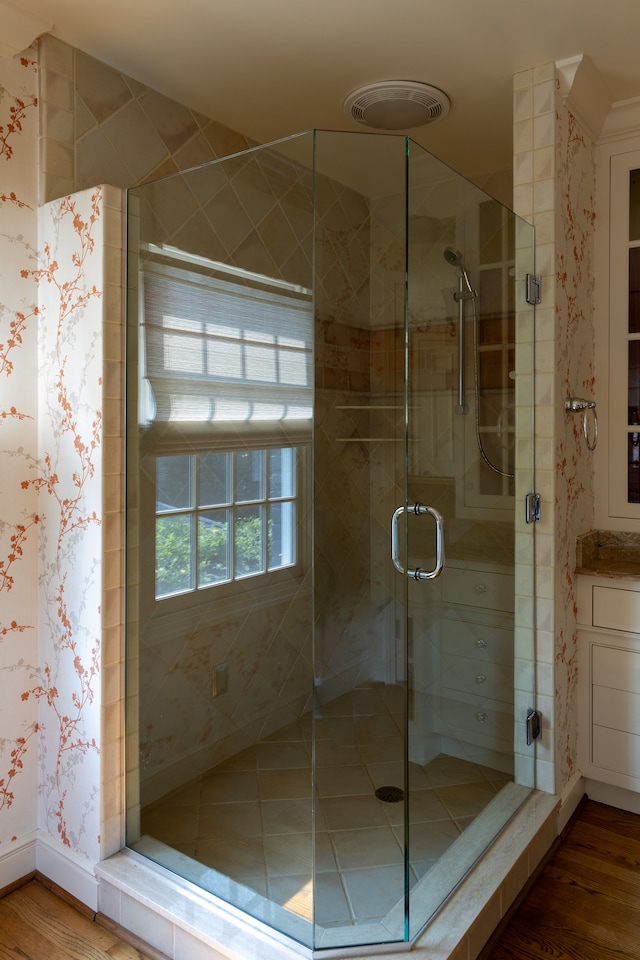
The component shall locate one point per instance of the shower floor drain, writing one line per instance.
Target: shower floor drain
(390, 794)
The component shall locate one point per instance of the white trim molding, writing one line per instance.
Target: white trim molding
(72, 872)
(584, 93)
(17, 859)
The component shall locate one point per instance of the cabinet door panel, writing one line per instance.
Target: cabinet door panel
(618, 669)
(616, 750)
(617, 709)
(616, 609)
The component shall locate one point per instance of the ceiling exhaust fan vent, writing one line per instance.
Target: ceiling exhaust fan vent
(396, 104)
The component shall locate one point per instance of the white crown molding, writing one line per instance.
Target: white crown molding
(623, 120)
(19, 29)
(584, 93)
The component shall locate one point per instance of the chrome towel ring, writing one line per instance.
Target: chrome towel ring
(580, 405)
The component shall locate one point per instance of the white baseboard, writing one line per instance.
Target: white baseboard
(71, 871)
(613, 796)
(569, 800)
(18, 860)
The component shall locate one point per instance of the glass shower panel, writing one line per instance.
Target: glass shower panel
(466, 311)
(219, 614)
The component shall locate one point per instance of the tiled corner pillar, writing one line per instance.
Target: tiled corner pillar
(554, 177)
(113, 686)
(534, 200)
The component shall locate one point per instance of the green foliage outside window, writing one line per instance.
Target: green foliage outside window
(173, 553)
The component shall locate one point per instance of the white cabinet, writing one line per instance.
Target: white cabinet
(470, 689)
(609, 638)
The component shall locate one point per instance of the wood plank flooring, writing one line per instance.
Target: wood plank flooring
(35, 924)
(585, 905)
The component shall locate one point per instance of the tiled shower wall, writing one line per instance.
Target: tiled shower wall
(100, 126)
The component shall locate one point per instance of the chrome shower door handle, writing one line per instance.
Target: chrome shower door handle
(418, 573)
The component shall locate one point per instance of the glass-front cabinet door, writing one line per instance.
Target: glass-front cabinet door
(624, 333)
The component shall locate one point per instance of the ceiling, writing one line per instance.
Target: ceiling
(270, 68)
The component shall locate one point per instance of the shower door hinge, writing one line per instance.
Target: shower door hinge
(532, 508)
(534, 726)
(534, 285)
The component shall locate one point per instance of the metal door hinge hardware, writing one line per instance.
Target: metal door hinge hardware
(534, 288)
(534, 726)
(532, 508)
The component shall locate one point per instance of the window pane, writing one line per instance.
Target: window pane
(249, 475)
(174, 550)
(634, 205)
(173, 483)
(213, 547)
(634, 290)
(249, 538)
(213, 479)
(281, 535)
(634, 381)
(281, 473)
(633, 467)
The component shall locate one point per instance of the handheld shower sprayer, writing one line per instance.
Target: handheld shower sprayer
(466, 292)
(455, 258)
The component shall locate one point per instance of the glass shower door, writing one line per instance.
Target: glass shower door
(359, 599)
(469, 359)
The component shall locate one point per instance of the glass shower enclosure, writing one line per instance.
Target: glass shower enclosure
(329, 573)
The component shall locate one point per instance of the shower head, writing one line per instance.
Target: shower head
(454, 257)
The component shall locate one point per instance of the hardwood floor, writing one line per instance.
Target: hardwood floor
(35, 924)
(586, 903)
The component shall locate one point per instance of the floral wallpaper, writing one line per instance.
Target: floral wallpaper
(50, 539)
(575, 226)
(19, 518)
(69, 488)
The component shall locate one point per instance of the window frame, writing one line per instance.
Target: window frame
(195, 510)
(189, 439)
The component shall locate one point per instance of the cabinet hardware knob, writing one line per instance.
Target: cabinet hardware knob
(480, 588)
(481, 644)
(481, 716)
(481, 678)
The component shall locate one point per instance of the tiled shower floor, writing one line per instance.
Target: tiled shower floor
(250, 818)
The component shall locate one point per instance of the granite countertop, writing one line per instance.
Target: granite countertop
(608, 553)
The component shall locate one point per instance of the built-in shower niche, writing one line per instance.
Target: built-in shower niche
(297, 707)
